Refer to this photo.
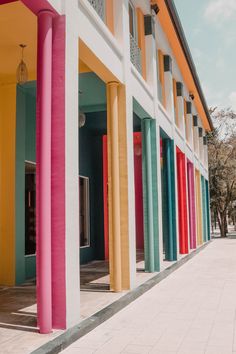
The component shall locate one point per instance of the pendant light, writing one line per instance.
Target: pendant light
(22, 71)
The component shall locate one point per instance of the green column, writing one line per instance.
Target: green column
(155, 194)
(204, 214)
(151, 246)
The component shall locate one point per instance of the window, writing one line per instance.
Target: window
(30, 208)
(132, 20)
(84, 217)
(176, 113)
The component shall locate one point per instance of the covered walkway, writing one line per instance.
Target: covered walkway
(193, 311)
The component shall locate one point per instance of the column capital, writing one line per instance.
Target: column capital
(113, 83)
(46, 12)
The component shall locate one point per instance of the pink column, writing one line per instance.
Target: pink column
(182, 202)
(191, 200)
(43, 172)
(58, 175)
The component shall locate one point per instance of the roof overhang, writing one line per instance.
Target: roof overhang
(173, 29)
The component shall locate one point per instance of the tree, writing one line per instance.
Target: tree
(222, 164)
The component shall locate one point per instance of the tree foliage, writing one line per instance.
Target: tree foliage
(222, 164)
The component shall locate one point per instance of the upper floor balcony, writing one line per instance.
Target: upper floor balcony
(104, 9)
(135, 54)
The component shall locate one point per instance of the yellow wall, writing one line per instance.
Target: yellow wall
(7, 183)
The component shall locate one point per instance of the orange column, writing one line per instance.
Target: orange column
(114, 183)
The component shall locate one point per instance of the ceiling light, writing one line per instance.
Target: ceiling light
(22, 71)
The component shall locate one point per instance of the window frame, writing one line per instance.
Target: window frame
(87, 179)
(33, 163)
(134, 20)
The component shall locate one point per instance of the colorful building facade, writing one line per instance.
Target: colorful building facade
(103, 147)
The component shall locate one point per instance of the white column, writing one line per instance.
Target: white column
(122, 30)
(180, 106)
(72, 170)
(201, 152)
(195, 135)
(189, 124)
(169, 86)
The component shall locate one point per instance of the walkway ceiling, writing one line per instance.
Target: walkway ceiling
(18, 25)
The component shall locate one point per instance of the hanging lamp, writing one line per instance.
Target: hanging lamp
(22, 71)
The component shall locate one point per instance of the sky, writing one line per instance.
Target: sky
(210, 29)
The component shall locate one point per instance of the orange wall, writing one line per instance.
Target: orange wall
(7, 185)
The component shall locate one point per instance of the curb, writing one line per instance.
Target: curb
(72, 334)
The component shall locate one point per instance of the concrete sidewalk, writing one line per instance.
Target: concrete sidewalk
(191, 311)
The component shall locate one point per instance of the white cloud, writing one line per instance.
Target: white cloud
(220, 10)
(232, 99)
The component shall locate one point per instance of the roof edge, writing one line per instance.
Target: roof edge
(184, 44)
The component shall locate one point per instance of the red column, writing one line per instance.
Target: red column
(182, 203)
(43, 171)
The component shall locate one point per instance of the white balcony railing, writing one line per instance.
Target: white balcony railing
(135, 54)
(99, 7)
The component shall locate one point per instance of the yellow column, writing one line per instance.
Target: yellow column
(7, 183)
(114, 186)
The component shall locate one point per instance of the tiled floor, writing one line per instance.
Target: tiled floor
(18, 311)
(193, 311)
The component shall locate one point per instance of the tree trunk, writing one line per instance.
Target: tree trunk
(222, 223)
(226, 223)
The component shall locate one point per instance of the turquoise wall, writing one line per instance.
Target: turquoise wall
(25, 150)
(91, 165)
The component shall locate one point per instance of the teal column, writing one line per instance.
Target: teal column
(151, 247)
(208, 211)
(170, 175)
(204, 214)
(155, 195)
